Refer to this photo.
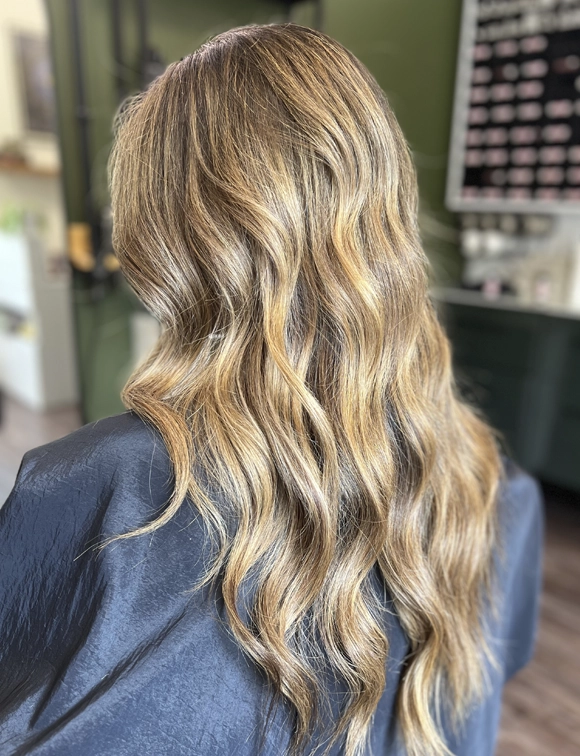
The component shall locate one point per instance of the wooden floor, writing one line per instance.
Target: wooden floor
(541, 713)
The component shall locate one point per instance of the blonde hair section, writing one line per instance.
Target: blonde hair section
(265, 211)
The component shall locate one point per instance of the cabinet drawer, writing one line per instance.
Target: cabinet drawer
(563, 461)
(492, 339)
(570, 396)
(493, 346)
(497, 392)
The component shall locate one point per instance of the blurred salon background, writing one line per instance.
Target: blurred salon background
(488, 95)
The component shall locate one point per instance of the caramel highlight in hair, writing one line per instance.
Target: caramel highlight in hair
(265, 211)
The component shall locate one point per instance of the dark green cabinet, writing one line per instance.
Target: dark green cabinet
(522, 368)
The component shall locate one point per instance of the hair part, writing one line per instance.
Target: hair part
(265, 211)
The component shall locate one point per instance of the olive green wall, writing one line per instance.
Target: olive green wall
(176, 28)
(409, 45)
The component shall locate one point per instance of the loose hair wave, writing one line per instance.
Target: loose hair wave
(265, 211)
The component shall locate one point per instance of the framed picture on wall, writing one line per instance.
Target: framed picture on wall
(36, 82)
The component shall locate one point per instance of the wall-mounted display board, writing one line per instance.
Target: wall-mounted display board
(515, 143)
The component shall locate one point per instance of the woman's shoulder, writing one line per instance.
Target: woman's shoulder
(521, 505)
(98, 452)
(116, 469)
(520, 562)
(519, 487)
(125, 435)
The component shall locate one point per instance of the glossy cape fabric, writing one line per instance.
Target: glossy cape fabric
(110, 654)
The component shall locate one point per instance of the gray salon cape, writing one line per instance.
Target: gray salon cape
(110, 654)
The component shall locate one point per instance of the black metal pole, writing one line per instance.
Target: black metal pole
(319, 15)
(83, 118)
(143, 51)
(120, 78)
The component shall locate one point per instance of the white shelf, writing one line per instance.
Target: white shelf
(20, 369)
(16, 287)
(39, 369)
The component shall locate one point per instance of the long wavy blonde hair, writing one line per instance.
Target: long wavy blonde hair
(265, 211)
